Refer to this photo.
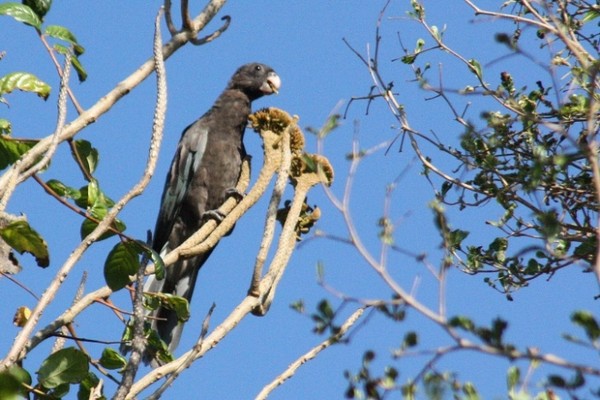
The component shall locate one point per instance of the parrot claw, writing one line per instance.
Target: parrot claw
(233, 192)
(215, 215)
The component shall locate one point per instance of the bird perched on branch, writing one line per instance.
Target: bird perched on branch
(204, 171)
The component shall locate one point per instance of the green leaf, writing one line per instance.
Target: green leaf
(389, 378)
(456, 237)
(159, 264)
(557, 380)
(10, 387)
(21, 13)
(91, 195)
(463, 322)
(435, 32)
(550, 225)
(95, 196)
(493, 335)
(62, 33)
(368, 357)
(59, 392)
(87, 154)
(88, 226)
(143, 249)
(12, 381)
(90, 382)
(446, 186)
(81, 72)
(5, 127)
(419, 45)
(158, 346)
(408, 59)
(84, 200)
(23, 238)
(175, 303)
(25, 82)
(298, 306)
(470, 391)
(62, 367)
(331, 123)
(411, 339)
(121, 263)
(11, 149)
(587, 249)
(178, 304)
(418, 10)
(40, 7)
(97, 205)
(63, 190)
(476, 68)
(586, 320)
(590, 16)
(325, 309)
(499, 244)
(513, 377)
(112, 359)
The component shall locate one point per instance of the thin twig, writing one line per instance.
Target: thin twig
(60, 72)
(186, 20)
(209, 38)
(191, 357)
(22, 286)
(311, 354)
(169, 18)
(138, 341)
(60, 123)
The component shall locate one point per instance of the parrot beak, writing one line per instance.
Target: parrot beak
(272, 84)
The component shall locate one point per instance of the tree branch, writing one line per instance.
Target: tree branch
(311, 354)
(20, 342)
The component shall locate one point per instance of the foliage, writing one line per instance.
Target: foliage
(532, 156)
(535, 156)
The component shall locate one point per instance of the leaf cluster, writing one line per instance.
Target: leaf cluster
(530, 156)
(535, 157)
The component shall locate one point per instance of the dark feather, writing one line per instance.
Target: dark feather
(206, 166)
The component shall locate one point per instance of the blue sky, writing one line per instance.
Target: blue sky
(302, 41)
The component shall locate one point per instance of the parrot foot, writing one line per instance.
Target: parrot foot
(233, 192)
(215, 215)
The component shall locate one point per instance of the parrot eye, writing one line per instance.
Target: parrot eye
(258, 68)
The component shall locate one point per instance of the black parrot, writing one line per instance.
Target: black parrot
(205, 169)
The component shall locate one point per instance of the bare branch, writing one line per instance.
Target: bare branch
(60, 71)
(60, 123)
(65, 318)
(187, 23)
(169, 18)
(192, 355)
(138, 342)
(214, 35)
(311, 354)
